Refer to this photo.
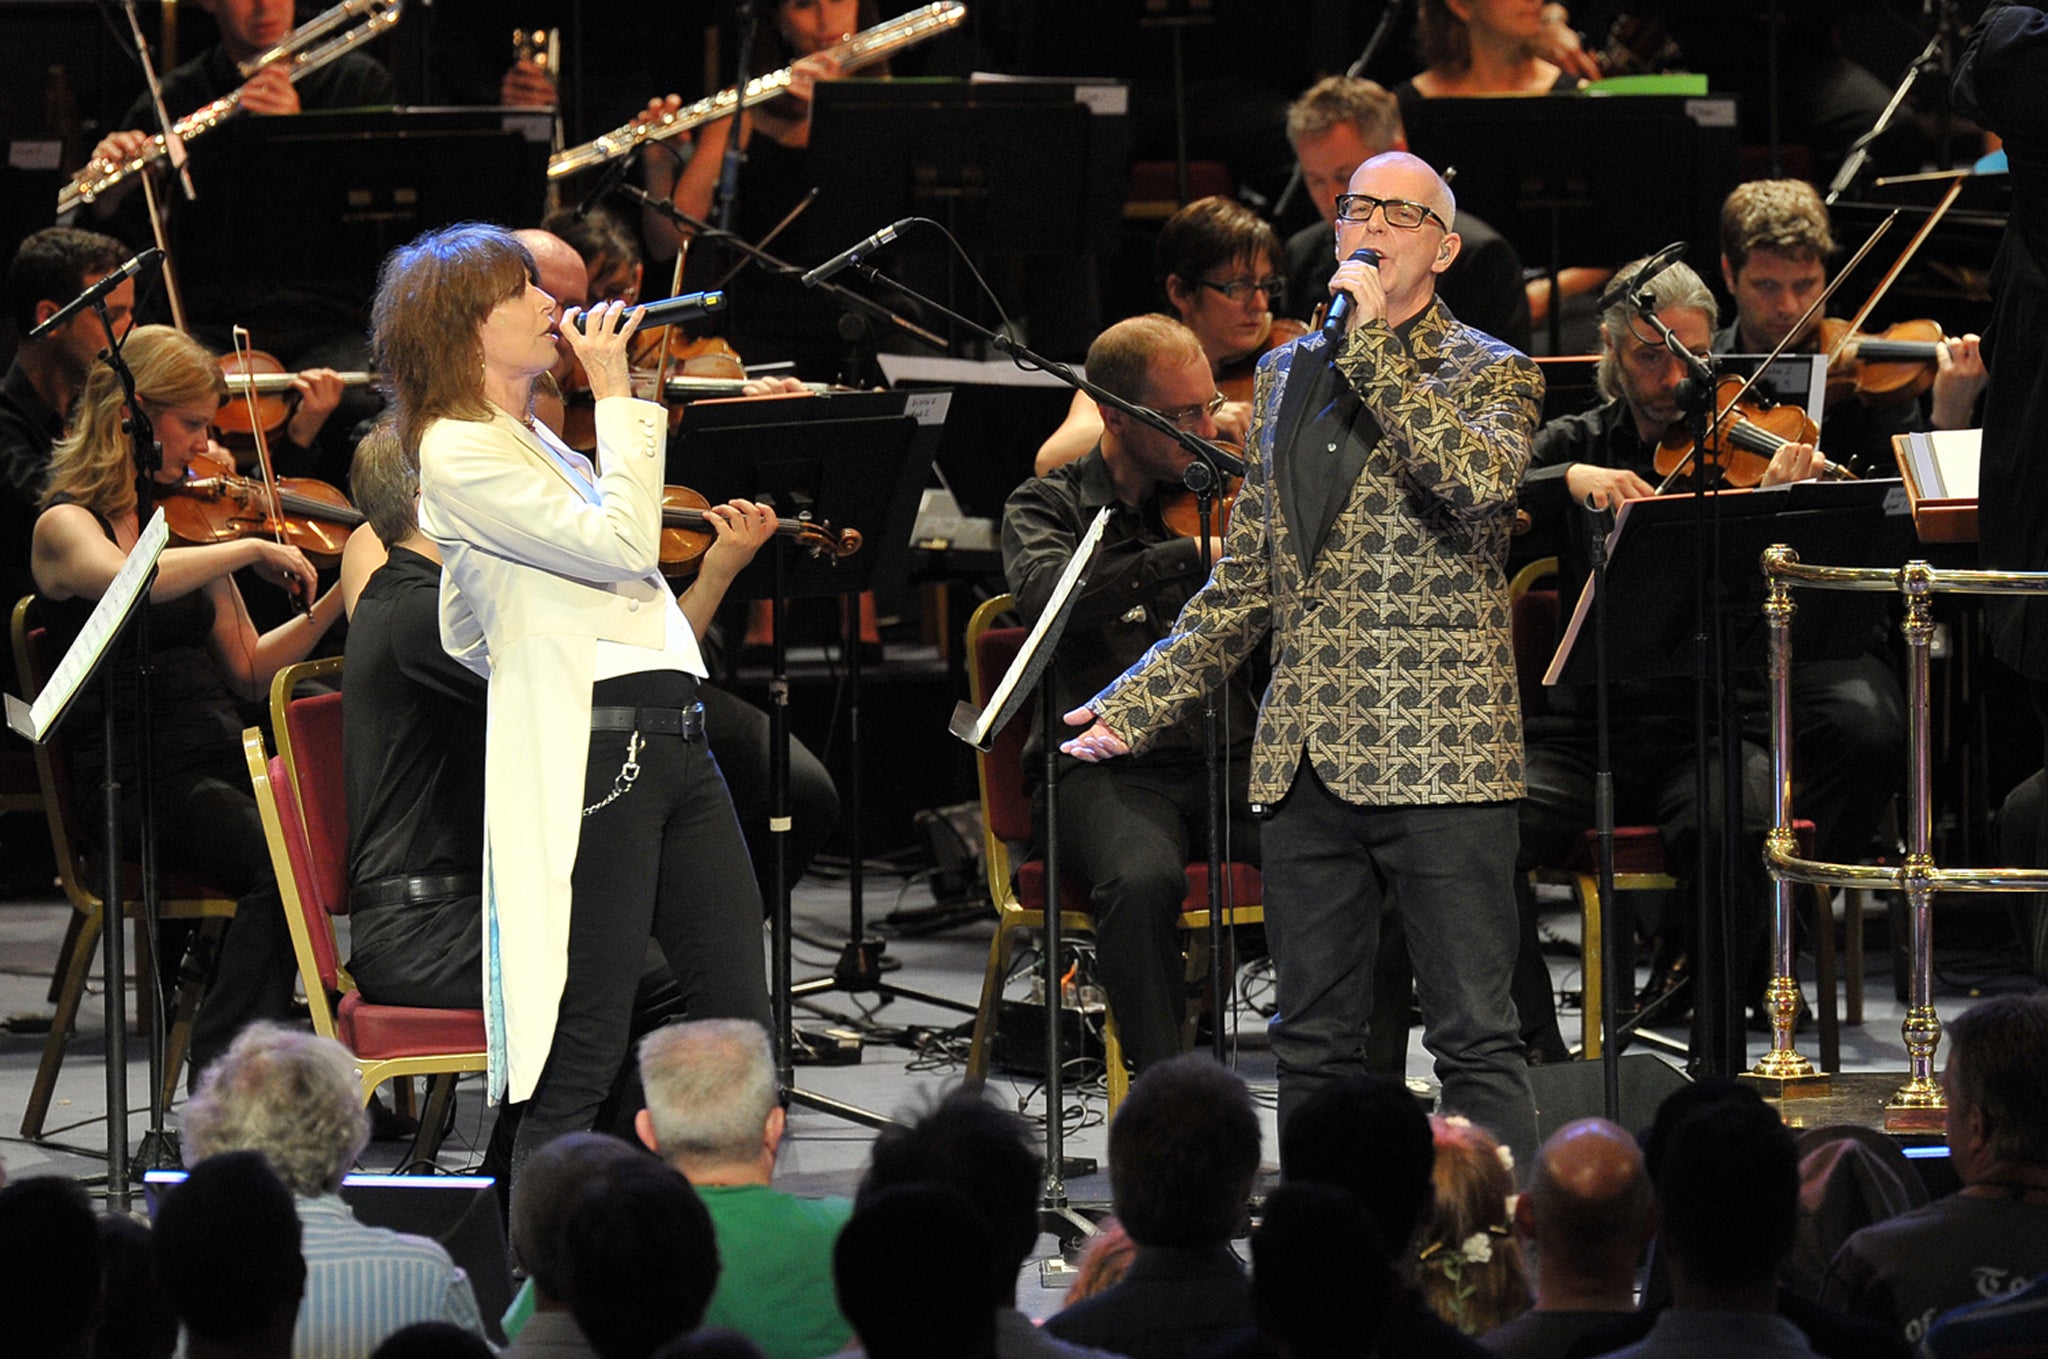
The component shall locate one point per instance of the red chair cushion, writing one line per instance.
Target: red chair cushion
(379, 1033)
(1637, 849)
(1533, 625)
(318, 926)
(315, 727)
(1009, 807)
(1241, 887)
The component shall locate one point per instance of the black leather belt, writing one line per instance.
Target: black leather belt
(687, 723)
(425, 887)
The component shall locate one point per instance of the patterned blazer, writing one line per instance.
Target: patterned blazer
(1393, 672)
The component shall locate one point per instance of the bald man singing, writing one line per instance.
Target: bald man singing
(1369, 537)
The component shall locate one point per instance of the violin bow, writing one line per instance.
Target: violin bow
(242, 346)
(1934, 216)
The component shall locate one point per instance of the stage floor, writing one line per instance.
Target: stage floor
(824, 1153)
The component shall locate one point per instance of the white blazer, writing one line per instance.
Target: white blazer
(535, 574)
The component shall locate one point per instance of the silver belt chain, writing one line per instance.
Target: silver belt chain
(622, 783)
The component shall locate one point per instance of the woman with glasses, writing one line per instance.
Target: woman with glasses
(1224, 273)
(206, 658)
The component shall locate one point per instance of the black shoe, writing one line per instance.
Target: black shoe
(1670, 975)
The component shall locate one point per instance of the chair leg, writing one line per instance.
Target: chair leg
(1116, 1077)
(1854, 903)
(192, 986)
(1826, 998)
(63, 954)
(1592, 969)
(426, 1141)
(991, 996)
(73, 969)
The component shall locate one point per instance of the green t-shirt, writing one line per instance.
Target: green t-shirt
(775, 1269)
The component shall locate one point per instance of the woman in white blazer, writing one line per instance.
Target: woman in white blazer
(606, 819)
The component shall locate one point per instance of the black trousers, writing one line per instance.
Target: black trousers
(1129, 831)
(664, 859)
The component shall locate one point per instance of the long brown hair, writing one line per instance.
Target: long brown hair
(426, 322)
(92, 463)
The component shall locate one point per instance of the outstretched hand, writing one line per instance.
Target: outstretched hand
(1096, 744)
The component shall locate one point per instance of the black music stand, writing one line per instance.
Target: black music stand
(859, 461)
(1567, 171)
(1653, 547)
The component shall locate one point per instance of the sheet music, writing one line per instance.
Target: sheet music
(1944, 462)
(36, 720)
(1032, 659)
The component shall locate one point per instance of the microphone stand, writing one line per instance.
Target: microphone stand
(1201, 477)
(1934, 60)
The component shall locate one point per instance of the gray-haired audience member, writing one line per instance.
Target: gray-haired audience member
(1587, 1216)
(49, 1269)
(227, 1253)
(549, 1187)
(714, 1113)
(911, 1268)
(1728, 1197)
(988, 1155)
(294, 1098)
(1991, 1237)
(641, 1257)
(1182, 1152)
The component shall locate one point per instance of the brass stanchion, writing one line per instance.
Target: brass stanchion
(1918, 1106)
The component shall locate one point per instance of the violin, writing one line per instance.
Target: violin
(1235, 378)
(687, 533)
(1890, 369)
(261, 374)
(214, 504)
(1740, 442)
(1181, 511)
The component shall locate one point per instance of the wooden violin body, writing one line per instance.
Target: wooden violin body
(213, 504)
(687, 533)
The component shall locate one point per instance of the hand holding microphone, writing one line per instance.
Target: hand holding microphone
(1356, 283)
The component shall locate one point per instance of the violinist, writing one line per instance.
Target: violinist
(1338, 125)
(1129, 828)
(1602, 458)
(606, 819)
(206, 658)
(1775, 240)
(1225, 276)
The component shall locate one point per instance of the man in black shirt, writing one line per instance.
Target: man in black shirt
(1338, 125)
(1129, 828)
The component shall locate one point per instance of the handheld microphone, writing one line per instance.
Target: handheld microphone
(847, 258)
(98, 290)
(1340, 306)
(669, 310)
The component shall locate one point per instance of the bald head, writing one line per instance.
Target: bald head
(1402, 174)
(562, 275)
(1588, 1206)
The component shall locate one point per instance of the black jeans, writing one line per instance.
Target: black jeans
(1332, 872)
(663, 859)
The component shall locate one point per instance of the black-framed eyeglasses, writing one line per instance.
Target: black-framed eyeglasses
(1399, 212)
(1236, 289)
(1188, 418)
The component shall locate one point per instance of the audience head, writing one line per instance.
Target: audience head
(1635, 365)
(227, 1253)
(1727, 1196)
(1212, 247)
(641, 1256)
(710, 1342)
(1366, 1134)
(550, 1185)
(911, 1270)
(291, 1095)
(1320, 1277)
(713, 1105)
(51, 267)
(49, 1268)
(1588, 1209)
(1336, 126)
(1997, 1097)
(1183, 1149)
(1470, 1266)
(176, 379)
(985, 1153)
(426, 321)
(385, 484)
(136, 1320)
(432, 1340)
(1775, 241)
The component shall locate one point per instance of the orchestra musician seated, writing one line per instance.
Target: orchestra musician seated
(206, 659)
(1128, 828)
(1224, 275)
